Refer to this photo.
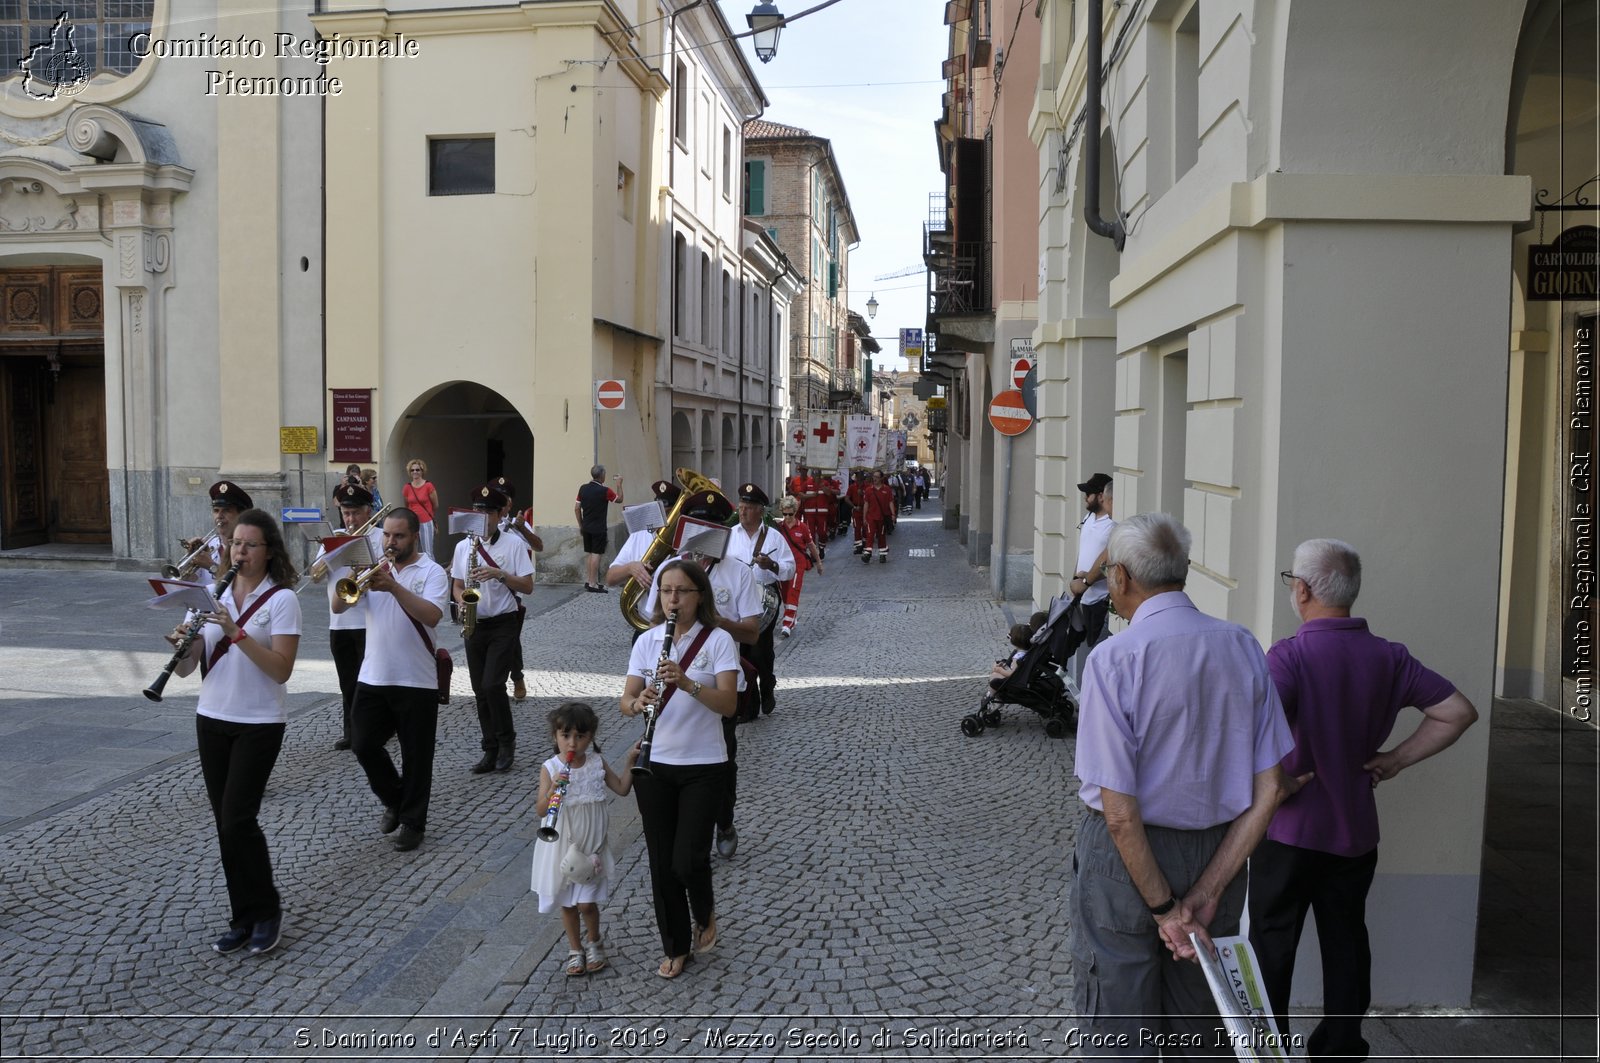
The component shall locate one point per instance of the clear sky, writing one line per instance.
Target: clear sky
(865, 75)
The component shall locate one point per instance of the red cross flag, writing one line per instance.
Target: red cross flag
(822, 441)
(794, 443)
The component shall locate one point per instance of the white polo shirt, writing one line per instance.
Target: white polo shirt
(1091, 541)
(510, 555)
(742, 546)
(736, 595)
(396, 655)
(634, 549)
(686, 731)
(236, 690)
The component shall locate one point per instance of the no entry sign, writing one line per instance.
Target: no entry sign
(1009, 414)
(610, 395)
(1020, 368)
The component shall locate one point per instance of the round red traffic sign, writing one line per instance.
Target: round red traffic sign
(1008, 414)
(1020, 370)
(609, 394)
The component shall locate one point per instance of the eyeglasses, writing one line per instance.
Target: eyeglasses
(1288, 578)
(675, 591)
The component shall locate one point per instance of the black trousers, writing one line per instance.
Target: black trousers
(762, 656)
(678, 810)
(730, 789)
(412, 715)
(1094, 628)
(516, 657)
(349, 646)
(1286, 880)
(491, 651)
(236, 759)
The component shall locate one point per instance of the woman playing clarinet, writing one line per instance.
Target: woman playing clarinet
(247, 655)
(691, 688)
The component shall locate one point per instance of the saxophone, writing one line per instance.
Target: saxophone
(470, 595)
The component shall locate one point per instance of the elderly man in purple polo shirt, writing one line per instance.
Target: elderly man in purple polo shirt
(1342, 688)
(1179, 743)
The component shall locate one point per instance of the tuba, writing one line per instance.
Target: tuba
(660, 548)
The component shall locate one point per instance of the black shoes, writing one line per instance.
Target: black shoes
(343, 743)
(389, 821)
(234, 940)
(769, 701)
(264, 938)
(408, 838)
(485, 763)
(727, 842)
(592, 589)
(508, 753)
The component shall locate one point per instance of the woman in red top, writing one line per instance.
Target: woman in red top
(422, 500)
(805, 556)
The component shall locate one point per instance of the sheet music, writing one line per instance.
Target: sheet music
(469, 522)
(646, 516)
(181, 594)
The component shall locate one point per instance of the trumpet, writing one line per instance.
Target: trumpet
(186, 568)
(470, 595)
(190, 633)
(547, 828)
(652, 712)
(350, 589)
(319, 568)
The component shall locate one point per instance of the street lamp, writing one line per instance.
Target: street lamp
(766, 22)
(872, 306)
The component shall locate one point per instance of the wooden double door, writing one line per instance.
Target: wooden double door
(52, 398)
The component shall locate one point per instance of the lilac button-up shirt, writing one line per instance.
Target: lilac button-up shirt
(1342, 688)
(1179, 711)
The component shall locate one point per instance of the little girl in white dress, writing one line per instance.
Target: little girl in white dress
(574, 871)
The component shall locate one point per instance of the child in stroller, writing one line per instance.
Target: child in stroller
(1031, 677)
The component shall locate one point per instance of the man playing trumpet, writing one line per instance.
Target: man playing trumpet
(397, 691)
(499, 570)
(228, 500)
(347, 628)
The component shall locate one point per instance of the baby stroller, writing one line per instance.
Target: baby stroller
(1037, 682)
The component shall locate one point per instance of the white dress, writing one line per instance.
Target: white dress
(581, 823)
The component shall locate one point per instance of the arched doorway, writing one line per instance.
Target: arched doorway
(468, 434)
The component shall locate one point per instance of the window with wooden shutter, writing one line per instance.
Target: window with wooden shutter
(755, 187)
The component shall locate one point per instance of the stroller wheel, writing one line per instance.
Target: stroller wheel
(971, 726)
(991, 717)
(1055, 727)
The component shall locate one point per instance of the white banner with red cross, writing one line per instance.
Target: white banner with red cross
(822, 441)
(861, 444)
(794, 441)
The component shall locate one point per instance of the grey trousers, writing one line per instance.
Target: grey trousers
(1134, 1000)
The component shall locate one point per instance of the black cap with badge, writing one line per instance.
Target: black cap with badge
(228, 493)
(352, 495)
(490, 497)
(752, 493)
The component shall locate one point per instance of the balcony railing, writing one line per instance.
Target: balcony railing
(960, 283)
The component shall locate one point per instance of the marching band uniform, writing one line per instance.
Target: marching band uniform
(744, 544)
(638, 543)
(347, 631)
(520, 524)
(228, 500)
(491, 649)
(397, 692)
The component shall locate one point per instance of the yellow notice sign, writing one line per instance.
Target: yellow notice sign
(936, 403)
(297, 439)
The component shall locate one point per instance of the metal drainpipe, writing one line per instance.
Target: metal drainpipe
(1112, 230)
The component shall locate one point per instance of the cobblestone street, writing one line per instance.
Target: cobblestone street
(888, 866)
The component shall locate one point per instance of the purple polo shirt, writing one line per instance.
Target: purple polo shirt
(1179, 710)
(1342, 688)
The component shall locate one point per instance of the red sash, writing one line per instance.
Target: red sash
(227, 644)
(672, 688)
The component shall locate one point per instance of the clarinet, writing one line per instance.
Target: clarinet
(642, 765)
(547, 829)
(190, 633)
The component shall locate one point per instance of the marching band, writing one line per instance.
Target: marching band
(387, 597)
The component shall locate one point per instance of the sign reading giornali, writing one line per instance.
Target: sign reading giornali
(1568, 268)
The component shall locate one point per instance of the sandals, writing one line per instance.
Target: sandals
(595, 955)
(575, 965)
(705, 937)
(673, 966)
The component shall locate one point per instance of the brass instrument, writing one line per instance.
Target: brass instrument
(470, 595)
(190, 633)
(641, 766)
(319, 568)
(660, 548)
(350, 589)
(547, 828)
(186, 568)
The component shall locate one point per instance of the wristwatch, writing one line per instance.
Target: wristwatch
(1163, 909)
(694, 691)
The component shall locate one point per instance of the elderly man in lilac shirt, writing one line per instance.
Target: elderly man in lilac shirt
(1179, 744)
(1342, 688)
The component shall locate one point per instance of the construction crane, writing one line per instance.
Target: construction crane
(908, 271)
